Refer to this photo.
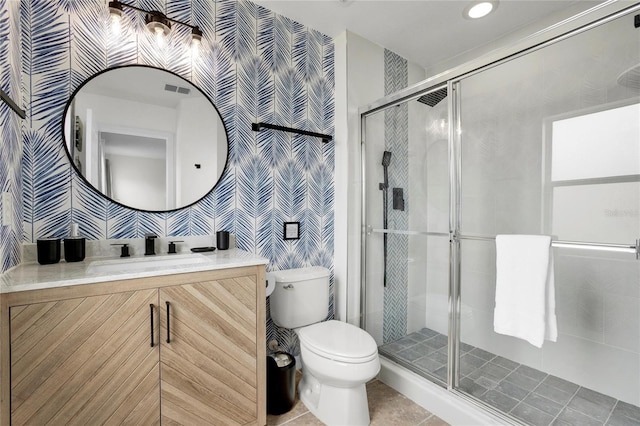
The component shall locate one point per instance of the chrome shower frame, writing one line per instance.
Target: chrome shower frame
(451, 79)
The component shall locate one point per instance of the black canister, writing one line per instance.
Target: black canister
(222, 240)
(74, 248)
(48, 251)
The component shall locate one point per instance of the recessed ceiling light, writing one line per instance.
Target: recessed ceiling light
(479, 9)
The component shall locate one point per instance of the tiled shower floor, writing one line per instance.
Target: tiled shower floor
(530, 395)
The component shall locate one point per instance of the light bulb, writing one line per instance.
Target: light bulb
(196, 40)
(116, 23)
(478, 10)
(115, 12)
(195, 46)
(159, 36)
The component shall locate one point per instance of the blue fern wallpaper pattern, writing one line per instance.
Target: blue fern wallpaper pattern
(254, 64)
(10, 172)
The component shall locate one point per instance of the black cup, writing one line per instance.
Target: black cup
(48, 251)
(222, 240)
(74, 249)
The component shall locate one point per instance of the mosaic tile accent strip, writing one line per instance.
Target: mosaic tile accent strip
(531, 396)
(396, 123)
(254, 65)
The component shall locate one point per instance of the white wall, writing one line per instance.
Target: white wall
(124, 113)
(365, 83)
(341, 265)
(139, 181)
(196, 143)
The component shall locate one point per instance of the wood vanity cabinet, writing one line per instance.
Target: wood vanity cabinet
(177, 349)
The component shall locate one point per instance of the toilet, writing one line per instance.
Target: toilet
(338, 358)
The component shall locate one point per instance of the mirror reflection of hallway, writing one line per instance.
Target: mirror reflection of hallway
(138, 170)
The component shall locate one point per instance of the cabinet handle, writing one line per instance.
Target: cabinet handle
(151, 309)
(168, 325)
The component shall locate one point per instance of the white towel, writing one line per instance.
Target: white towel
(525, 290)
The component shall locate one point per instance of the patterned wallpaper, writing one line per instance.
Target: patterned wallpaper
(396, 123)
(255, 65)
(10, 122)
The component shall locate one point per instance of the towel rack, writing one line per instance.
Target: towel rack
(626, 248)
(256, 127)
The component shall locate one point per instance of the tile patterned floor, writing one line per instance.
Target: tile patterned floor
(530, 395)
(386, 408)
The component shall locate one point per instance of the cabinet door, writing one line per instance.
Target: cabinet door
(85, 361)
(208, 363)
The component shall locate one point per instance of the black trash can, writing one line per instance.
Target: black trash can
(281, 382)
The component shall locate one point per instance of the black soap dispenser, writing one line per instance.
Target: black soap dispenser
(172, 246)
(74, 245)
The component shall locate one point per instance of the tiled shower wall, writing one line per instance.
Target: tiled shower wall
(10, 122)
(254, 65)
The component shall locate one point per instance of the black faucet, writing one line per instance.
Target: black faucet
(150, 244)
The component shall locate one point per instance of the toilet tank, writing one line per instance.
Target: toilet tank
(300, 296)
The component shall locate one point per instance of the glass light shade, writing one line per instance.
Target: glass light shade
(116, 23)
(159, 34)
(196, 39)
(115, 13)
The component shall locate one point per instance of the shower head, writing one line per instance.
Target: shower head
(433, 98)
(630, 77)
(386, 158)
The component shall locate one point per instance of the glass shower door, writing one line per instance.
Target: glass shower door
(550, 144)
(406, 215)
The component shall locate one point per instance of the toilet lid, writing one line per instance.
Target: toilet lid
(339, 341)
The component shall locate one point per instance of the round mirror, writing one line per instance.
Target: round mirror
(145, 138)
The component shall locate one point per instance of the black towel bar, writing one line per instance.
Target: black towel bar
(256, 127)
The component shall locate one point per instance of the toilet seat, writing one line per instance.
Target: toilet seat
(339, 341)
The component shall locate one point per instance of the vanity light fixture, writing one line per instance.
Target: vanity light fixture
(157, 22)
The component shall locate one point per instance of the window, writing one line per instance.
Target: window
(592, 181)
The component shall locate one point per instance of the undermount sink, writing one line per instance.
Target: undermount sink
(142, 263)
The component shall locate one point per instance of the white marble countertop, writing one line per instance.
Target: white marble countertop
(33, 276)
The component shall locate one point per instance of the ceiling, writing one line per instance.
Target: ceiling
(141, 84)
(427, 32)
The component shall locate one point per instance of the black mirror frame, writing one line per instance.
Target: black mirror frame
(96, 190)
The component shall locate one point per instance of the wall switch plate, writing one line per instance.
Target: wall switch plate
(7, 208)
